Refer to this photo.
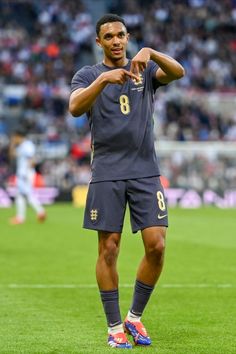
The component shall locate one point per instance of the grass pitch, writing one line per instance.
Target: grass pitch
(49, 302)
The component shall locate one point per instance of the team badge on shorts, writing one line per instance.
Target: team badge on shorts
(93, 215)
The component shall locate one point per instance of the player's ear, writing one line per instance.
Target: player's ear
(98, 41)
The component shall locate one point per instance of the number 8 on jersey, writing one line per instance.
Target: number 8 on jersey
(124, 104)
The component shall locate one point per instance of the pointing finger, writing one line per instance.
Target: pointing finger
(143, 66)
(132, 67)
(135, 69)
(131, 75)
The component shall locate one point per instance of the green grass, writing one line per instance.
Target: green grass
(192, 310)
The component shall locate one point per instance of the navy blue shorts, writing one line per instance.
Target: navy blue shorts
(106, 204)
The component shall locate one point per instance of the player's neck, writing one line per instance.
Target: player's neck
(115, 63)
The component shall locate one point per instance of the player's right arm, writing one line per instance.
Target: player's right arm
(82, 99)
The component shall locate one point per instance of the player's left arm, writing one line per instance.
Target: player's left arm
(12, 148)
(169, 68)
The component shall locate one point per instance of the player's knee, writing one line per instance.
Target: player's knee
(110, 252)
(160, 248)
(156, 248)
(157, 251)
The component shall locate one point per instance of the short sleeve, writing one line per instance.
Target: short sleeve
(152, 67)
(81, 79)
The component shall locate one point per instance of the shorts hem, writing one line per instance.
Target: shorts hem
(142, 227)
(98, 228)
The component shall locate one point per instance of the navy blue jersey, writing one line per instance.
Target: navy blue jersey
(121, 125)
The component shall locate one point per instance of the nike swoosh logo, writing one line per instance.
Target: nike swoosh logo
(161, 216)
(114, 324)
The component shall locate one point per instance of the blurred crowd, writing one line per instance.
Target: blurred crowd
(187, 121)
(200, 172)
(44, 42)
(198, 33)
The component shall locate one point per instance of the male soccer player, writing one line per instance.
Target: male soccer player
(118, 97)
(23, 150)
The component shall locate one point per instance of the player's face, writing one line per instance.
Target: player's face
(113, 38)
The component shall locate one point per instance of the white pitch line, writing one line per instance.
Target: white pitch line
(197, 286)
(91, 286)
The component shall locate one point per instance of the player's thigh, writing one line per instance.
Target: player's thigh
(147, 203)
(105, 206)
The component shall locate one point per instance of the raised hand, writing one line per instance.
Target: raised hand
(119, 76)
(139, 61)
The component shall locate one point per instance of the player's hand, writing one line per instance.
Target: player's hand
(119, 76)
(139, 61)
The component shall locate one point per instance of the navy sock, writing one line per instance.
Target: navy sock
(110, 301)
(142, 293)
